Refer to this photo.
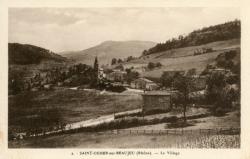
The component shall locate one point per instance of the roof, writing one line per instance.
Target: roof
(156, 93)
(144, 79)
(150, 84)
(218, 69)
(118, 71)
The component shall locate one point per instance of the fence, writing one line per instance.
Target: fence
(225, 131)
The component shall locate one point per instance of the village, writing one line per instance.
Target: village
(178, 92)
(157, 97)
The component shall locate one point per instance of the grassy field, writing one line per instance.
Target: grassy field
(230, 120)
(127, 140)
(48, 108)
(92, 140)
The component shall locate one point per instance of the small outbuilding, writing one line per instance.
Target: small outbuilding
(156, 100)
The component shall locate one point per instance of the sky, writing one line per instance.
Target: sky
(71, 29)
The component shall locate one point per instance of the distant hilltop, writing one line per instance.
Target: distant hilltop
(108, 50)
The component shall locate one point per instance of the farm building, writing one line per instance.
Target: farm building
(156, 100)
(143, 83)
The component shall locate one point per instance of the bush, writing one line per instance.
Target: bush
(118, 89)
(230, 54)
(158, 64)
(151, 65)
(219, 112)
(179, 124)
(155, 111)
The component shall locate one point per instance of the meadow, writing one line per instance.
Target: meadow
(43, 109)
(182, 58)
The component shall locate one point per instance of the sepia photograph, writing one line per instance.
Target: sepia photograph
(124, 77)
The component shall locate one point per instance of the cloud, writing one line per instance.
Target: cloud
(42, 16)
(61, 29)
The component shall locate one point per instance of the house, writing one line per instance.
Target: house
(47, 86)
(156, 100)
(117, 76)
(219, 70)
(143, 83)
(199, 82)
(151, 86)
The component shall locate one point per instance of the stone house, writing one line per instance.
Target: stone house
(117, 76)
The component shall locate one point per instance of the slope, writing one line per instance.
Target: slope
(183, 58)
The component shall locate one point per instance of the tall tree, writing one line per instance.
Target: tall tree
(96, 68)
(114, 61)
(215, 84)
(119, 61)
(166, 79)
(131, 75)
(184, 85)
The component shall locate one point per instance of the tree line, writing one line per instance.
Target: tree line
(115, 61)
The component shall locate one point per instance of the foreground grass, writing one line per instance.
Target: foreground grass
(214, 141)
(95, 140)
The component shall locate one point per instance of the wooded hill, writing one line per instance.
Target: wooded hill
(29, 54)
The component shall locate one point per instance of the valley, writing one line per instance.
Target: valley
(87, 97)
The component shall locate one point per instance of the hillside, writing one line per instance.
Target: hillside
(108, 50)
(183, 58)
(25, 61)
(24, 54)
(220, 32)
